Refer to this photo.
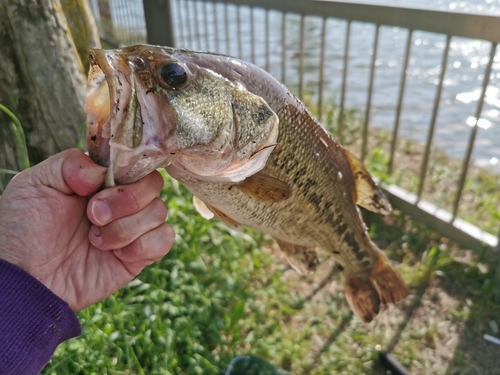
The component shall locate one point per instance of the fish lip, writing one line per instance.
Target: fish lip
(99, 78)
(109, 73)
(130, 149)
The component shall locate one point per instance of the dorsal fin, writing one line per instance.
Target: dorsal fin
(368, 194)
(264, 187)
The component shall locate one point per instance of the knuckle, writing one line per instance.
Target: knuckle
(141, 247)
(168, 235)
(159, 209)
(123, 229)
(156, 181)
(157, 243)
(137, 252)
(133, 197)
(118, 234)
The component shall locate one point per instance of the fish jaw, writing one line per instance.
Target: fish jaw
(118, 135)
(239, 164)
(135, 125)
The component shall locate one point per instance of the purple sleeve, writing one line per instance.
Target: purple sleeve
(33, 322)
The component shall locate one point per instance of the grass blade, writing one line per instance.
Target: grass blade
(19, 137)
(8, 171)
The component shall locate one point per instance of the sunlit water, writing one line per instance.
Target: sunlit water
(462, 85)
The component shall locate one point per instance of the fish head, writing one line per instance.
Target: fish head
(150, 107)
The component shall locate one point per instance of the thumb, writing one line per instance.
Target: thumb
(69, 172)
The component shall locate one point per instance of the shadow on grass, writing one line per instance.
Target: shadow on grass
(341, 326)
(469, 281)
(326, 281)
(418, 292)
(346, 319)
(477, 291)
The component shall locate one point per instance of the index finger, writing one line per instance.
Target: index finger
(124, 200)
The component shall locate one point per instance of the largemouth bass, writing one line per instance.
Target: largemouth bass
(249, 151)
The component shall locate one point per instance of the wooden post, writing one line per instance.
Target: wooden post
(42, 80)
(159, 22)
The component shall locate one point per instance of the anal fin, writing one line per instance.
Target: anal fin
(368, 194)
(302, 258)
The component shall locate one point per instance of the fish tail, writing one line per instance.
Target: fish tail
(381, 285)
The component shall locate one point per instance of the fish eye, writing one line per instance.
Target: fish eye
(173, 75)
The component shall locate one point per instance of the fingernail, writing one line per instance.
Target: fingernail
(101, 211)
(95, 236)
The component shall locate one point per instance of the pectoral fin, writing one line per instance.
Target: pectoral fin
(303, 259)
(368, 193)
(264, 187)
(202, 208)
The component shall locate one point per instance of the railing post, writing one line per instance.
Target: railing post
(159, 25)
(497, 281)
(105, 23)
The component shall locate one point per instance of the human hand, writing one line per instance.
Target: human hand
(83, 249)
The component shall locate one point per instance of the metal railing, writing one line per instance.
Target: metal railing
(120, 22)
(275, 34)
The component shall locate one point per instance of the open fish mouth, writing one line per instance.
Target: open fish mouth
(115, 127)
(98, 108)
(109, 107)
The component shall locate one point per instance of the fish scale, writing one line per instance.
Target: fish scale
(275, 168)
(315, 200)
(300, 132)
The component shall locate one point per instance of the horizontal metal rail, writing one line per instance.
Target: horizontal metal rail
(442, 221)
(413, 18)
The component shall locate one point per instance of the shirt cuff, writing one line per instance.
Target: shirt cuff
(33, 322)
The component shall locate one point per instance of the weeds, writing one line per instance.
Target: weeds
(19, 140)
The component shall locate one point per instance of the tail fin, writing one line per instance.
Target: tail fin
(366, 291)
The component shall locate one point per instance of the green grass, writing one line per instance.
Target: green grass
(21, 154)
(19, 139)
(222, 293)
